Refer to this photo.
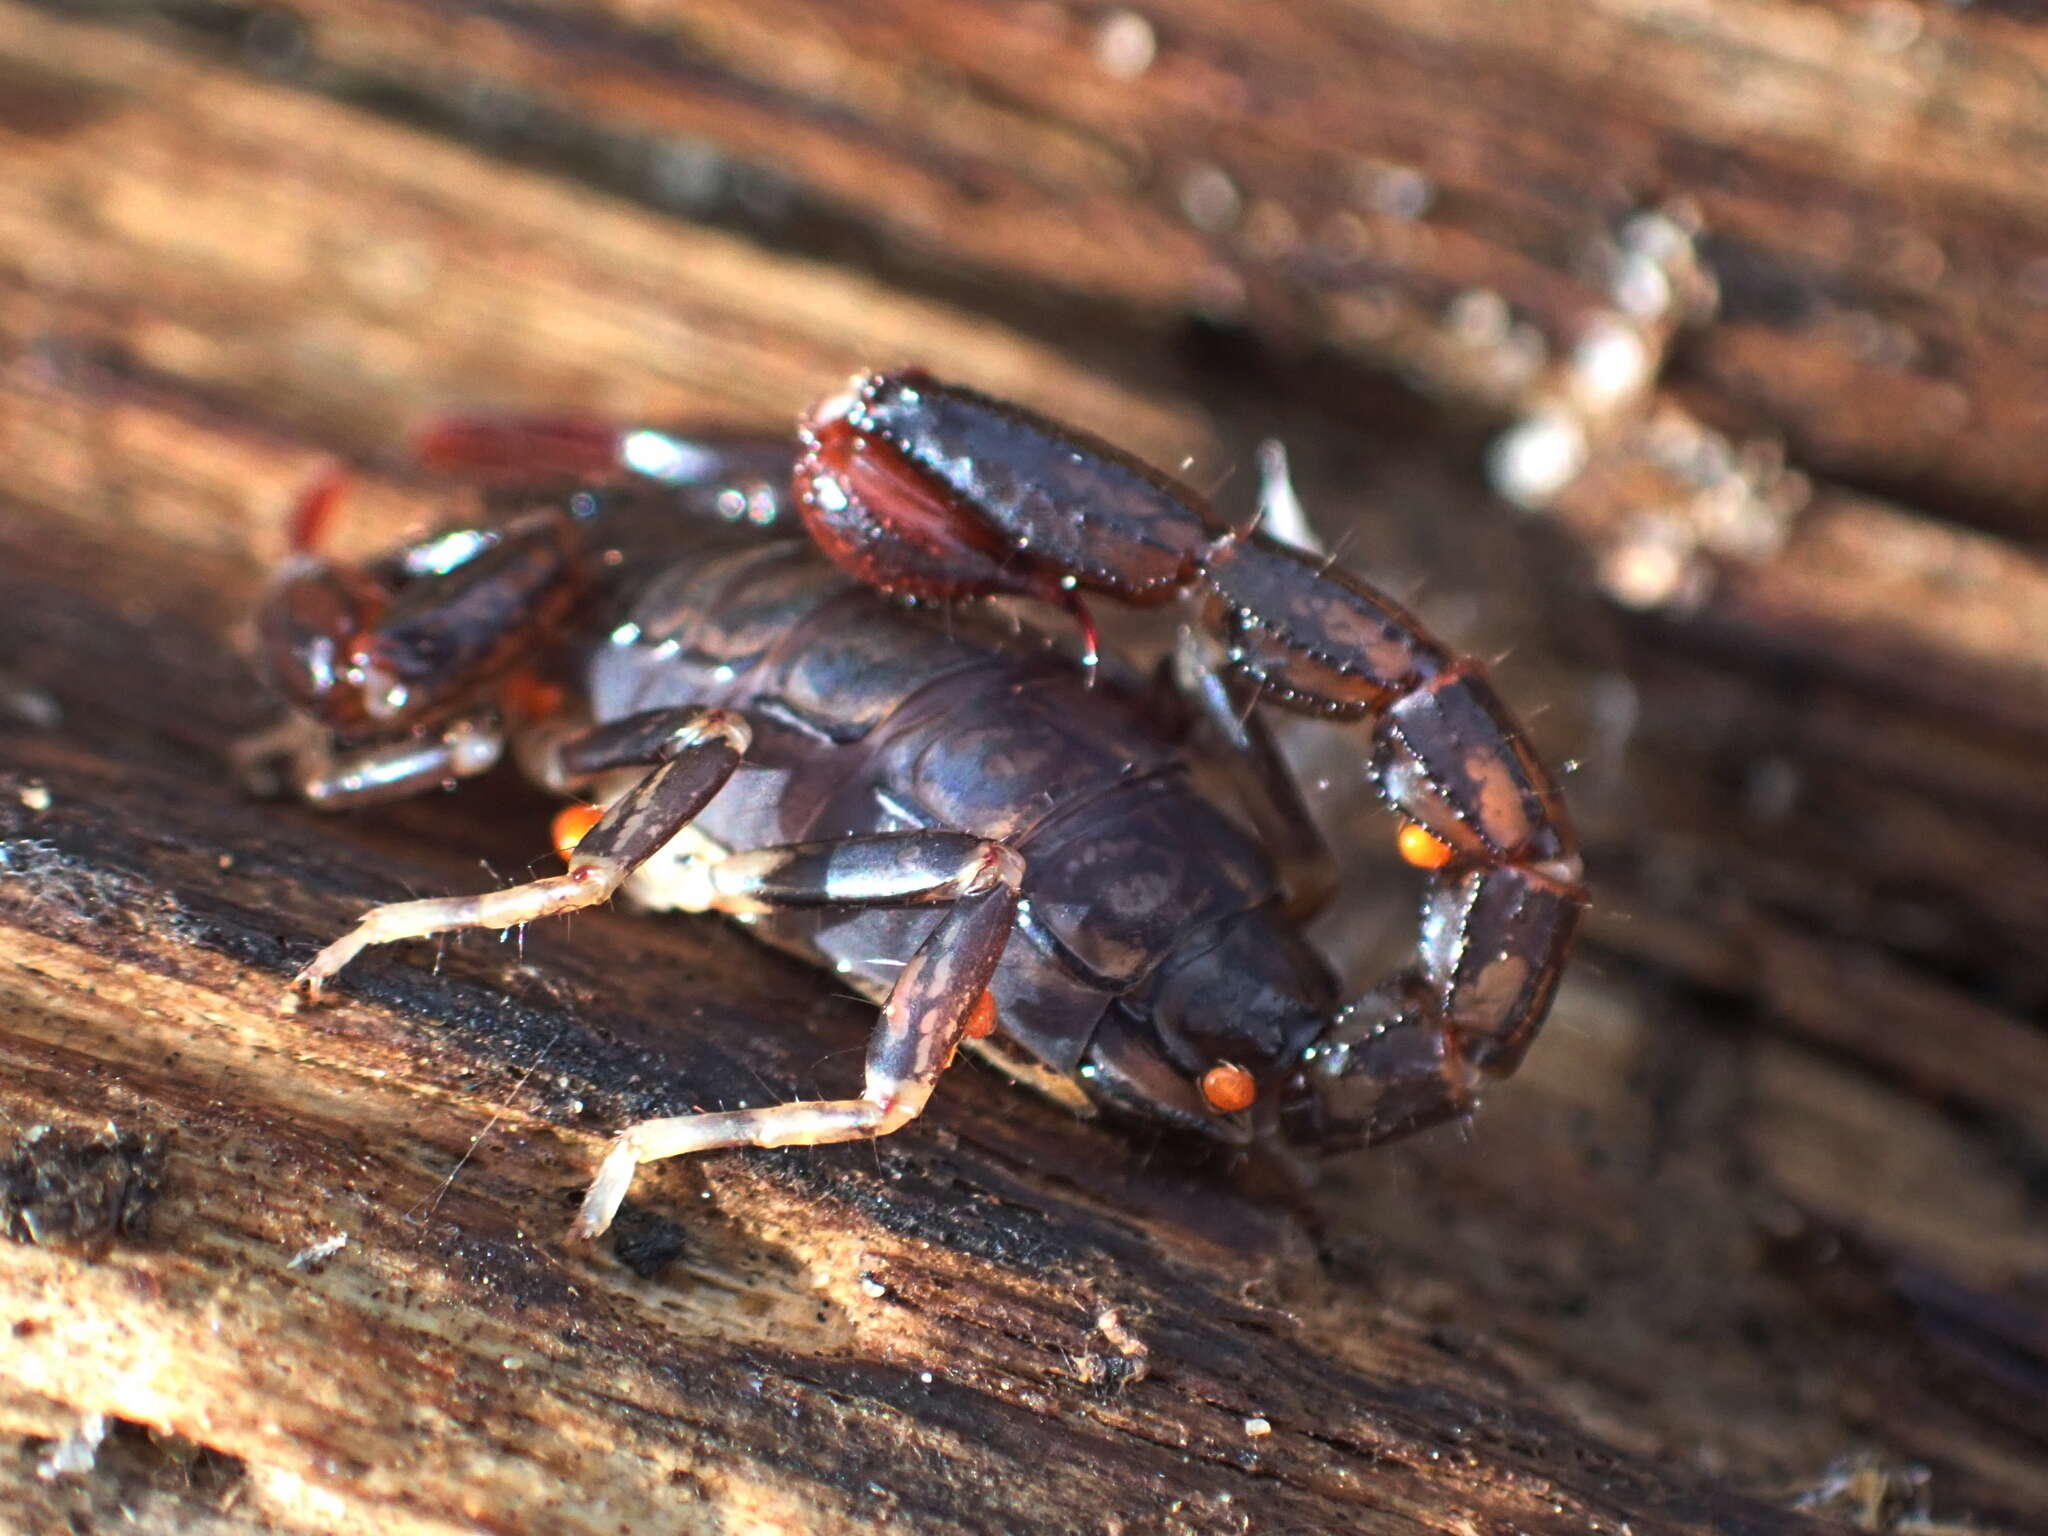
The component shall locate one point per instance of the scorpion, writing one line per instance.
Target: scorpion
(1001, 848)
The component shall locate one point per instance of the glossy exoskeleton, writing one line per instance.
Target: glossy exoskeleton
(1002, 847)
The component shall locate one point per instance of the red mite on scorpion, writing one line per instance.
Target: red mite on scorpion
(1002, 848)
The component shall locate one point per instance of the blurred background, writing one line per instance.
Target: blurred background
(1687, 361)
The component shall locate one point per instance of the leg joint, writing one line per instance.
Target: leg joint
(994, 864)
(709, 726)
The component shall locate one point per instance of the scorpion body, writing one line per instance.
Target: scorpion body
(1141, 899)
(1005, 849)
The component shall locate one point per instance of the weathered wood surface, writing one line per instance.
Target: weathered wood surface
(1770, 1194)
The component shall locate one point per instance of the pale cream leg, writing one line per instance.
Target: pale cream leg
(806, 1124)
(585, 885)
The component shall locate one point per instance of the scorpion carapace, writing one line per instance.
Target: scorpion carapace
(1004, 849)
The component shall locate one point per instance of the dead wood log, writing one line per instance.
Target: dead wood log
(1769, 1196)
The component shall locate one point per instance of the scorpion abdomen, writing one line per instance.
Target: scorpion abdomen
(873, 718)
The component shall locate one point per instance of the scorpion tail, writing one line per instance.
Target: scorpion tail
(1415, 1051)
(1481, 813)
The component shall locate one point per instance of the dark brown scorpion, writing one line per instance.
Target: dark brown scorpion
(1001, 847)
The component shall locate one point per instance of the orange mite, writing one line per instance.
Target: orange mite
(528, 697)
(981, 1023)
(1423, 848)
(572, 822)
(1228, 1088)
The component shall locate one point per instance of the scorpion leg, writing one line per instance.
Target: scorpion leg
(1281, 515)
(694, 752)
(333, 781)
(1238, 739)
(933, 1006)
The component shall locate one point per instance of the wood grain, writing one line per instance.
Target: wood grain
(1762, 1214)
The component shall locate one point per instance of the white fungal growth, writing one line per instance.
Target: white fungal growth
(668, 459)
(1125, 45)
(1536, 458)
